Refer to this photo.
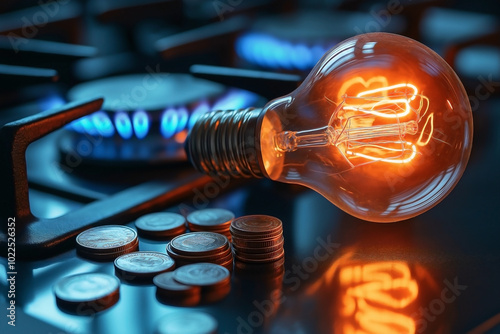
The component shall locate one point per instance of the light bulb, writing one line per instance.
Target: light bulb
(381, 127)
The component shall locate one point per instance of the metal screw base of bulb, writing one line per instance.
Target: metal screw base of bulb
(225, 142)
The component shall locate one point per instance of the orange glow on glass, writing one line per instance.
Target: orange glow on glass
(374, 132)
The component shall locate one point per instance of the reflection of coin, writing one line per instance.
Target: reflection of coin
(160, 224)
(202, 274)
(183, 322)
(199, 243)
(142, 265)
(210, 219)
(261, 270)
(87, 293)
(106, 242)
(256, 225)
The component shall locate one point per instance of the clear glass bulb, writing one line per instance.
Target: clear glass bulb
(381, 127)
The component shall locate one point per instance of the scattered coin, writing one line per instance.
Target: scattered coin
(199, 243)
(87, 293)
(257, 239)
(160, 225)
(196, 257)
(107, 242)
(214, 280)
(168, 285)
(183, 322)
(201, 247)
(138, 266)
(214, 295)
(206, 275)
(210, 220)
(169, 291)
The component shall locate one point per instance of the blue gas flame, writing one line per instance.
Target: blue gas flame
(88, 126)
(123, 125)
(183, 117)
(234, 99)
(50, 102)
(202, 108)
(103, 124)
(271, 52)
(171, 121)
(140, 120)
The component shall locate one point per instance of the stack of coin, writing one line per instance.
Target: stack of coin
(169, 291)
(160, 225)
(184, 322)
(211, 220)
(201, 247)
(87, 294)
(142, 266)
(214, 280)
(257, 239)
(105, 243)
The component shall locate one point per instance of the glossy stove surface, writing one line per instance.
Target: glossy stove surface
(437, 273)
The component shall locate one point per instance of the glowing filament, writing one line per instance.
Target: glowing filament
(394, 161)
(382, 103)
(373, 128)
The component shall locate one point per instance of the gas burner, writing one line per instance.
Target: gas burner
(145, 117)
(298, 41)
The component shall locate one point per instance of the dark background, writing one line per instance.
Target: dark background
(451, 253)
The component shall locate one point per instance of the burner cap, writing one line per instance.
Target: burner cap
(145, 118)
(150, 91)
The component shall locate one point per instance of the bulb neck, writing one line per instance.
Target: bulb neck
(227, 142)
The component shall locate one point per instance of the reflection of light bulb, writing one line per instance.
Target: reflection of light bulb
(381, 127)
(370, 296)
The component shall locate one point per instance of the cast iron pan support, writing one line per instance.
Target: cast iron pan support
(37, 238)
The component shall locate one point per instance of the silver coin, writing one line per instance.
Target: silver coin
(144, 263)
(160, 221)
(210, 217)
(85, 287)
(202, 274)
(199, 243)
(108, 238)
(183, 322)
(166, 282)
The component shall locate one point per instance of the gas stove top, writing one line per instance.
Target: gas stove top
(96, 99)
